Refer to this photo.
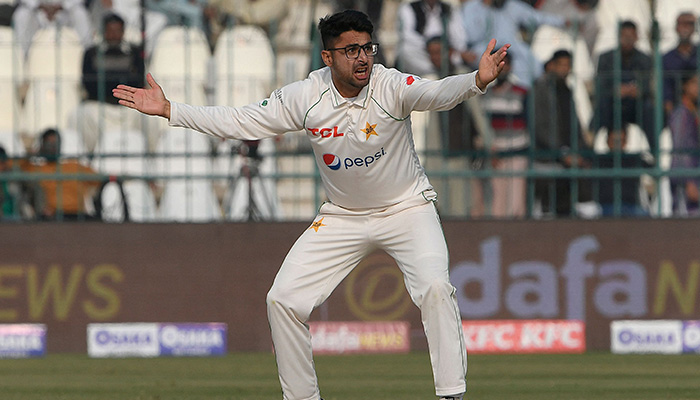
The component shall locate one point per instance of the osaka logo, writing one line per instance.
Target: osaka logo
(332, 161)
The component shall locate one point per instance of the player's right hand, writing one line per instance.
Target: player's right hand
(149, 101)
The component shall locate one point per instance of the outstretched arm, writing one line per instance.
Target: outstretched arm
(150, 101)
(490, 65)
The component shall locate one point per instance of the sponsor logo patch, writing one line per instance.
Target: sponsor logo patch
(369, 130)
(332, 161)
(326, 132)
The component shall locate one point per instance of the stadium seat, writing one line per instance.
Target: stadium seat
(11, 78)
(180, 63)
(189, 200)
(183, 152)
(122, 152)
(72, 144)
(137, 195)
(54, 68)
(297, 196)
(662, 205)
(256, 198)
(244, 65)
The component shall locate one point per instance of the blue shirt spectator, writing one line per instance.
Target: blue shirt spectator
(502, 19)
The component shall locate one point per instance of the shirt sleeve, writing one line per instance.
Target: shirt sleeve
(272, 116)
(417, 94)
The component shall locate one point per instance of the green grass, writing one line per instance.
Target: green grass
(362, 377)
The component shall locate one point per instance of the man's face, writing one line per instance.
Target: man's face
(50, 147)
(434, 49)
(685, 27)
(561, 67)
(628, 38)
(349, 75)
(617, 139)
(691, 89)
(114, 32)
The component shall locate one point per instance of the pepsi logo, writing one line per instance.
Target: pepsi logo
(332, 161)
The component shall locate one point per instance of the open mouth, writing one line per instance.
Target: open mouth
(362, 73)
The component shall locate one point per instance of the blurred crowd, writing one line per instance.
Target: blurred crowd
(595, 114)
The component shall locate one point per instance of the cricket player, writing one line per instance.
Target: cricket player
(357, 116)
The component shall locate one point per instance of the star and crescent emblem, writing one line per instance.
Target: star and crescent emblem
(317, 224)
(369, 130)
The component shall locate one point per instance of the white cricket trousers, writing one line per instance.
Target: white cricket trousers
(328, 251)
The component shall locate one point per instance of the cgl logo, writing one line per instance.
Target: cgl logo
(326, 132)
(332, 161)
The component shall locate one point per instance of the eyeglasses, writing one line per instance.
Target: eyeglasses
(352, 52)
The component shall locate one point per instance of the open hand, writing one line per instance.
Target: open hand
(490, 65)
(149, 101)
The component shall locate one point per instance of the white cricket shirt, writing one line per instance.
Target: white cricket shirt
(363, 146)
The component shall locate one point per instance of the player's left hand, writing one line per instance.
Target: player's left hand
(490, 65)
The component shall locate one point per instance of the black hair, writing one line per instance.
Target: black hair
(434, 39)
(112, 17)
(49, 132)
(628, 24)
(3, 154)
(687, 77)
(331, 27)
(559, 54)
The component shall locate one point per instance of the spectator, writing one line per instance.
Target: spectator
(425, 19)
(505, 103)
(502, 19)
(680, 61)
(59, 199)
(6, 11)
(614, 192)
(623, 89)
(131, 11)
(457, 122)
(8, 196)
(33, 15)
(686, 145)
(106, 65)
(560, 140)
